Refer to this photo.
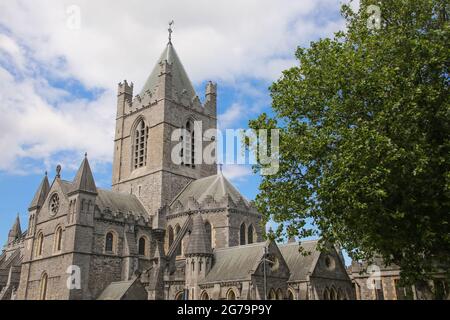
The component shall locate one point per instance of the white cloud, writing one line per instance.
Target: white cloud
(226, 41)
(33, 129)
(237, 172)
(230, 118)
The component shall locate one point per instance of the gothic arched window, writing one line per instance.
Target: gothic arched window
(142, 246)
(188, 150)
(140, 145)
(58, 240)
(179, 248)
(250, 234)
(39, 244)
(43, 287)
(242, 234)
(208, 230)
(109, 242)
(231, 295)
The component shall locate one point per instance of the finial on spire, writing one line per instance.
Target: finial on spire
(58, 171)
(46, 173)
(85, 154)
(171, 23)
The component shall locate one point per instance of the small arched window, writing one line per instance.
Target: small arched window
(290, 295)
(333, 294)
(43, 287)
(140, 145)
(250, 234)
(326, 294)
(231, 295)
(208, 230)
(142, 246)
(57, 247)
(242, 235)
(280, 294)
(179, 295)
(204, 296)
(39, 244)
(109, 242)
(188, 150)
(272, 295)
(179, 248)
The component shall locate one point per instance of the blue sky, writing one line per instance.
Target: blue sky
(60, 65)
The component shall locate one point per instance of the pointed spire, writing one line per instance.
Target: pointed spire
(180, 79)
(198, 240)
(84, 181)
(15, 231)
(41, 193)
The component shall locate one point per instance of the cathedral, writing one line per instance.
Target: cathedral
(164, 231)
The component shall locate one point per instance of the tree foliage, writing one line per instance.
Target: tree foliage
(365, 138)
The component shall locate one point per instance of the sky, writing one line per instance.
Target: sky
(61, 61)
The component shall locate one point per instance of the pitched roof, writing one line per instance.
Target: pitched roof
(216, 186)
(41, 193)
(235, 263)
(119, 202)
(300, 265)
(180, 79)
(198, 240)
(84, 181)
(117, 290)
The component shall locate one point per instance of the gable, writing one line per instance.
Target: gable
(330, 265)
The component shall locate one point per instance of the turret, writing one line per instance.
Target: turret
(198, 257)
(15, 232)
(36, 204)
(83, 195)
(211, 98)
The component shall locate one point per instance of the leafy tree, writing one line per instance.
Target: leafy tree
(365, 138)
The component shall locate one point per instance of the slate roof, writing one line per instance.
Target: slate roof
(300, 265)
(41, 193)
(198, 240)
(116, 290)
(180, 79)
(216, 186)
(119, 202)
(114, 201)
(235, 263)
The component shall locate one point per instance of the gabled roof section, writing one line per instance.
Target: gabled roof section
(84, 180)
(120, 202)
(236, 263)
(124, 290)
(198, 240)
(41, 193)
(216, 186)
(299, 265)
(180, 79)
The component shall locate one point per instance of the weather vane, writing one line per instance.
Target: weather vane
(171, 23)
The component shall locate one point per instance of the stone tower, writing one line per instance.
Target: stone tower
(143, 146)
(199, 257)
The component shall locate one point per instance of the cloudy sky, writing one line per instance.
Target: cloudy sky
(60, 62)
